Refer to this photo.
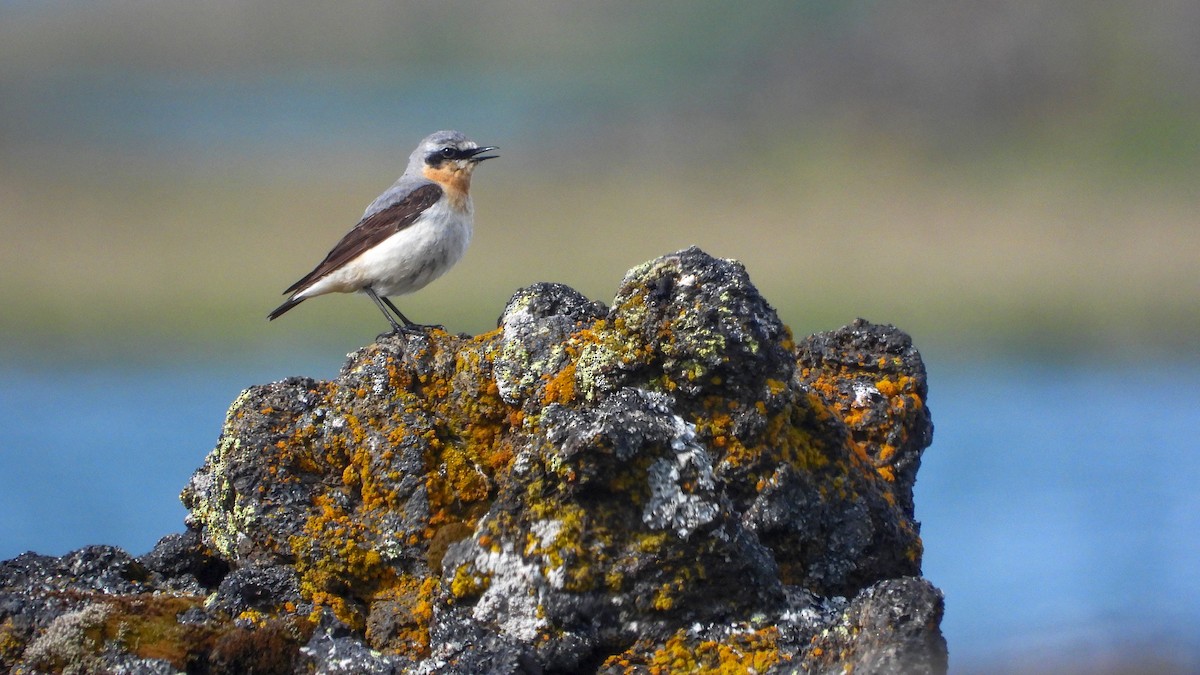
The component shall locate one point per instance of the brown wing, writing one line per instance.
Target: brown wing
(371, 230)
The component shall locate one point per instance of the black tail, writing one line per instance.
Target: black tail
(291, 302)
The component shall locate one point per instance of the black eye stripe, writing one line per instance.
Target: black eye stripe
(447, 153)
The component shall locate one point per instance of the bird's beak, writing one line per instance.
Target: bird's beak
(477, 152)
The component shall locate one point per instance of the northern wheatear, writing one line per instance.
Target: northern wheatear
(409, 236)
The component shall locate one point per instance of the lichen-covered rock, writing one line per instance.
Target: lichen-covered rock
(667, 485)
(98, 610)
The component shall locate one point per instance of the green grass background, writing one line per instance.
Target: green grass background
(1026, 185)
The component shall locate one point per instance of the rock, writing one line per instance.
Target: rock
(893, 627)
(98, 610)
(259, 590)
(186, 562)
(669, 484)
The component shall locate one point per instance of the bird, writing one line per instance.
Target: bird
(410, 235)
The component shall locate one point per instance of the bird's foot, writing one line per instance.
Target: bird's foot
(425, 327)
(411, 329)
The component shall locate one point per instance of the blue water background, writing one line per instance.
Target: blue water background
(1057, 501)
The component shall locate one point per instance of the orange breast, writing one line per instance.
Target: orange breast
(455, 181)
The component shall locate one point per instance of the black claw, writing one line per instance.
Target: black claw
(411, 329)
(426, 327)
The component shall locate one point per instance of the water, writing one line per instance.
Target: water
(1056, 502)
(1058, 509)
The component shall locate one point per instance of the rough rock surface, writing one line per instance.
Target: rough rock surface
(667, 485)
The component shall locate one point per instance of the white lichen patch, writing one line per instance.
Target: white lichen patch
(512, 598)
(72, 639)
(214, 503)
(546, 539)
(864, 394)
(517, 371)
(682, 486)
(592, 368)
(546, 532)
(511, 379)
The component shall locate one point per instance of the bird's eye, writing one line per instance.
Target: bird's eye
(449, 153)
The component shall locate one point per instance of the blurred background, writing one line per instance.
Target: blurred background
(1016, 184)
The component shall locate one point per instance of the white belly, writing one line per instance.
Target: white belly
(408, 260)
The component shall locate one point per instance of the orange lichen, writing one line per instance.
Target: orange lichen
(446, 414)
(455, 482)
(147, 627)
(785, 440)
(889, 387)
(561, 387)
(409, 599)
(465, 436)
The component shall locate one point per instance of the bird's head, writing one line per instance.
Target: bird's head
(449, 151)
(448, 158)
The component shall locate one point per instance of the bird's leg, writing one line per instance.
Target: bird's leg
(405, 319)
(396, 328)
(409, 325)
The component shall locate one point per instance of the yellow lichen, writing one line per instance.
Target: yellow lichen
(743, 653)
(11, 645)
(336, 562)
(785, 440)
(466, 584)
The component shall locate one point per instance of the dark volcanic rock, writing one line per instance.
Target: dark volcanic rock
(667, 485)
(185, 561)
